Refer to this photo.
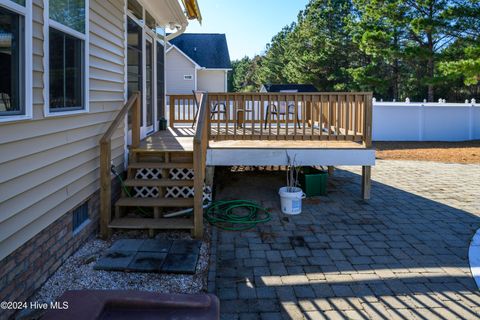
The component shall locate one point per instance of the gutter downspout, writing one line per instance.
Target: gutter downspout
(182, 29)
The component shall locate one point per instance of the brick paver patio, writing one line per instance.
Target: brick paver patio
(402, 255)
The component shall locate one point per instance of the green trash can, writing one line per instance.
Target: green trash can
(313, 181)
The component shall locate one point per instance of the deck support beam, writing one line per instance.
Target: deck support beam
(209, 176)
(366, 182)
(331, 170)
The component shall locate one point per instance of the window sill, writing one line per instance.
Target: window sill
(64, 113)
(4, 119)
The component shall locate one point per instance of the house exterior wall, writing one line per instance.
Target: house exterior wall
(49, 165)
(212, 80)
(29, 266)
(177, 65)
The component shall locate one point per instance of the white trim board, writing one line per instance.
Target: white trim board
(278, 157)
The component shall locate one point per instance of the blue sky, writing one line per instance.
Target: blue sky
(248, 24)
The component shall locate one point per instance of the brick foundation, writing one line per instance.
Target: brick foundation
(27, 268)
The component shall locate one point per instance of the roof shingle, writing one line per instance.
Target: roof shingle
(209, 50)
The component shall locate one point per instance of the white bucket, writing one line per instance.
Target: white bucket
(291, 200)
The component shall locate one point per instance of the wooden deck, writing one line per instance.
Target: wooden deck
(181, 139)
(230, 129)
(170, 140)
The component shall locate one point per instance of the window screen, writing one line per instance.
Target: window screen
(66, 71)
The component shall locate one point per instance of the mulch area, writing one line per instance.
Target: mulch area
(449, 152)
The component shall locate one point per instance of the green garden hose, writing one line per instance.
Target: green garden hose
(222, 214)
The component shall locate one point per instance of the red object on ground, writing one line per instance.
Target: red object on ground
(131, 304)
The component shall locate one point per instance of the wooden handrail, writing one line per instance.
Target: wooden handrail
(133, 104)
(120, 116)
(200, 145)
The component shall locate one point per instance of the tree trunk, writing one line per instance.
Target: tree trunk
(430, 68)
(396, 71)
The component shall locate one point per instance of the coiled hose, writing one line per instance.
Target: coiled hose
(225, 214)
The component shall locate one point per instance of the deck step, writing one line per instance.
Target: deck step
(150, 223)
(158, 183)
(155, 202)
(160, 165)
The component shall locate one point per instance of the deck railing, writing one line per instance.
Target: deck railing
(282, 116)
(184, 109)
(200, 145)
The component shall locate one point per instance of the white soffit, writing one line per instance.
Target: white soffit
(166, 11)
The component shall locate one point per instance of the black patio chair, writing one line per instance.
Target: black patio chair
(279, 111)
(218, 108)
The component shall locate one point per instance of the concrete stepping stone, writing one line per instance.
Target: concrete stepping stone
(147, 261)
(153, 245)
(185, 247)
(151, 255)
(115, 260)
(127, 245)
(180, 263)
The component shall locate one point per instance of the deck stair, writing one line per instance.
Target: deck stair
(157, 181)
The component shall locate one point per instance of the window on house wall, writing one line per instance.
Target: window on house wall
(13, 65)
(80, 217)
(67, 56)
(134, 59)
(70, 13)
(11, 59)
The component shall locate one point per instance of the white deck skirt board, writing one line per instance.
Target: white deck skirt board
(474, 257)
(278, 157)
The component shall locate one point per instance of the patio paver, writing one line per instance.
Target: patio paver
(401, 255)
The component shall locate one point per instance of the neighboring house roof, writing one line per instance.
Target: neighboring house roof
(209, 50)
(290, 87)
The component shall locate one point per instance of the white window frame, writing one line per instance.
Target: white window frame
(85, 37)
(26, 12)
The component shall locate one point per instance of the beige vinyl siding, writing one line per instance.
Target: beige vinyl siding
(176, 66)
(49, 165)
(211, 80)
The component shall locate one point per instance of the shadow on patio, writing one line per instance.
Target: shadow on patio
(403, 254)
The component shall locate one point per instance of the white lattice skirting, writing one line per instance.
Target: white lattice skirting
(170, 192)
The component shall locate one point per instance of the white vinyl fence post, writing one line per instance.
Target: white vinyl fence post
(421, 122)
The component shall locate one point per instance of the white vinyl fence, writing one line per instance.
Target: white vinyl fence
(412, 121)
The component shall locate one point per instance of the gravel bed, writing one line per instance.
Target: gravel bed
(77, 271)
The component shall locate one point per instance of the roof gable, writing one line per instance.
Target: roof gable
(209, 50)
(182, 54)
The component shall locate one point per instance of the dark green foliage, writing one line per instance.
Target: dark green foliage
(421, 49)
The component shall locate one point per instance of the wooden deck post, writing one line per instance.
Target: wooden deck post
(331, 170)
(171, 106)
(366, 182)
(209, 176)
(136, 121)
(105, 189)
